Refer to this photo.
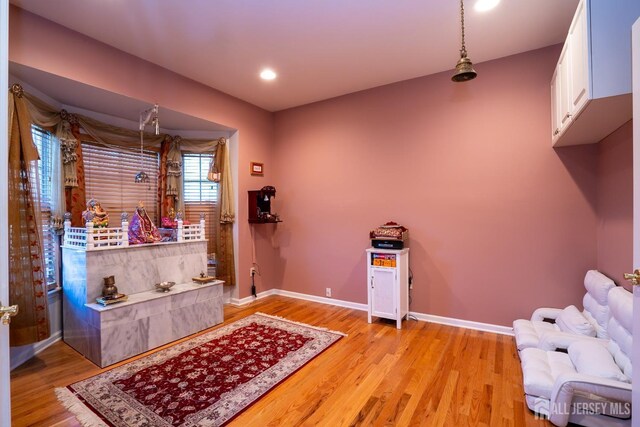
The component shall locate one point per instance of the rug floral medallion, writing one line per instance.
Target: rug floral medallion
(205, 381)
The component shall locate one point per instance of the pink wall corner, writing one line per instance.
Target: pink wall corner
(500, 223)
(86, 60)
(615, 204)
(257, 237)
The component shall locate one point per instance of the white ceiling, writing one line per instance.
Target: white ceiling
(319, 48)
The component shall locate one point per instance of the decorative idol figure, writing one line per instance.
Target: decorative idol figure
(141, 228)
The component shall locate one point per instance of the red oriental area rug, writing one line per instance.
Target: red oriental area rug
(205, 381)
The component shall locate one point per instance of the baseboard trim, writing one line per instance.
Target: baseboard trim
(460, 323)
(38, 347)
(449, 321)
(323, 300)
(246, 300)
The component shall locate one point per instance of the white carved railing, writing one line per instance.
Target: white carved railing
(190, 232)
(90, 238)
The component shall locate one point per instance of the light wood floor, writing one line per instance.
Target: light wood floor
(425, 374)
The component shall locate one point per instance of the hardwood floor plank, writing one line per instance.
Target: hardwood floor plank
(424, 374)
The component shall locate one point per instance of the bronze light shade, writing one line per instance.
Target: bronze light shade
(464, 70)
(464, 67)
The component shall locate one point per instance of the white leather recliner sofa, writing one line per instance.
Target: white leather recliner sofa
(589, 385)
(569, 324)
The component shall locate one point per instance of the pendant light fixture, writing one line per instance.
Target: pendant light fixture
(464, 67)
(150, 115)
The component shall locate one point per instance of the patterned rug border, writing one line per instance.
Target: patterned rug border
(88, 416)
(318, 328)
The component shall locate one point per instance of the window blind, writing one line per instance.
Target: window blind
(200, 194)
(44, 142)
(109, 178)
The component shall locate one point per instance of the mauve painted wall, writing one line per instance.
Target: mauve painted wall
(615, 204)
(500, 222)
(44, 45)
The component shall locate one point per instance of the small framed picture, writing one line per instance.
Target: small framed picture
(257, 168)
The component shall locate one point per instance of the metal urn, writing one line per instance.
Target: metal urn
(109, 289)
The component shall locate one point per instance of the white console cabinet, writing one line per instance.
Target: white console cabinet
(591, 86)
(388, 284)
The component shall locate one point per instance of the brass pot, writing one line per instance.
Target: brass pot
(109, 287)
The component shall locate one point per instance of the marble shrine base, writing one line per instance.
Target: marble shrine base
(149, 319)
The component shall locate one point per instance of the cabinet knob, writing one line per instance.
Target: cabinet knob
(557, 131)
(566, 116)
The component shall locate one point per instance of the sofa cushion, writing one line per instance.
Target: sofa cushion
(598, 286)
(541, 368)
(528, 332)
(595, 301)
(594, 359)
(572, 321)
(620, 328)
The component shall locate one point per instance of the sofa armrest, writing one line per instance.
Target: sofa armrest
(545, 313)
(567, 385)
(554, 340)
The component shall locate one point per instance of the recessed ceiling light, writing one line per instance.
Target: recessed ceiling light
(268, 74)
(485, 5)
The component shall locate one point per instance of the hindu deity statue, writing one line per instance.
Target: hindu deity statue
(141, 228)
(96, 214)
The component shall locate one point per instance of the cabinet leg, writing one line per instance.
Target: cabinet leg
(399, 323)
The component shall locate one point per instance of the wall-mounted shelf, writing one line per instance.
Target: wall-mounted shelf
(260, 206)
(264, 221)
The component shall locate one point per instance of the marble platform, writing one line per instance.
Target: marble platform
(106, 335)
(136, 268)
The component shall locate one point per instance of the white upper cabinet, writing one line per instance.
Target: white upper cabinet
(560, 106)
(591, 86)
(579, 48)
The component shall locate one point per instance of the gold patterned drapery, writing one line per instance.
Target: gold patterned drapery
(174, 174)
(68, 133)
(76, 196)
(69, 147)
(165, 202)
(27, 287)
(225, 268)
(170, 179)
(46, 116)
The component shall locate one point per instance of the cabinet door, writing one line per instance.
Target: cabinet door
(383, 302)
(578, 53)
(560, 94)
(555, 105)
(564, 68)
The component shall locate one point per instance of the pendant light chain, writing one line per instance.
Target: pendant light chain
(145, 117)
(463, 50)
(464, 67)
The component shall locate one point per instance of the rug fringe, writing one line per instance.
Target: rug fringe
(84, 415)
(319, 328)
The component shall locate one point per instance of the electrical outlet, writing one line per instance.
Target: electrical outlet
(328, 292)
(252, 271)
